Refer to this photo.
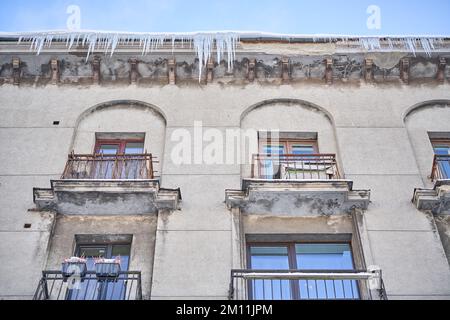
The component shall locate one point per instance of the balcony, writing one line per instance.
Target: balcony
(295, 167)
(306, 285)
(54, 286)
(441, 168)
(113, 167)
(436, 200)
(294, 185)
(107, 185)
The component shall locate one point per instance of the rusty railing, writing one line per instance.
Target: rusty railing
(441, 167)
(295, 167)
(106, 167)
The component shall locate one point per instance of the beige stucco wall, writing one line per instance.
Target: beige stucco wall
(193, 249)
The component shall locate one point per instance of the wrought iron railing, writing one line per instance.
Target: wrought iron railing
(55, 286)
(441, 167)
(305, 285)
(105, 167)
(295, 167)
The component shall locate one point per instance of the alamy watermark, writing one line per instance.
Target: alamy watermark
(374, 19)
(74, 19)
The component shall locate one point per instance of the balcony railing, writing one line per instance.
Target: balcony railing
(54, 286)
(106, 167)
(305, 285)
(441, 167)
(295, 167)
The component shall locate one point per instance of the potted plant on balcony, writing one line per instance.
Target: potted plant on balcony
(74, 266)
(107, 269)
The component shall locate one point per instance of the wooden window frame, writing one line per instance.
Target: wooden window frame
(440, 142)
(121, 143)
(288, 144)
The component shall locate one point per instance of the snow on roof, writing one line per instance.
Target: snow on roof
(204, 43)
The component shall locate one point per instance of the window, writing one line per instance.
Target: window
(111, 150)
(306, 257)
(114, 147)
(293, 159)
(442, 152)
(101, 290)
(293, 147)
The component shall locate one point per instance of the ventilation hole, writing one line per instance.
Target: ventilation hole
(56, 123)
(27, 225)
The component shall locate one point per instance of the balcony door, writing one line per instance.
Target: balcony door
(92, 289)
(277, 258)
(277, 156)
(442, 152)
(115, 158)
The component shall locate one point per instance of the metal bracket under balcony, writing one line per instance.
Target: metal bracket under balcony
(436, 200)
(297, 197)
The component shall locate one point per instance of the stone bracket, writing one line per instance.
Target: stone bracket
(297, 197)
(54, 65)
(172, 71)
(404, 70)
(441, 70)
(436, 200)
(285, 70)
(251, 70)
(134, 73)
(329, 71)
(368, 70)
(96, 70)
(210, 71)
(16, 71)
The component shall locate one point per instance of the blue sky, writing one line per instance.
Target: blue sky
(281, 16)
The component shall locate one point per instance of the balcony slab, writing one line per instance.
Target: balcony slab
(106, 197)
(297, 197)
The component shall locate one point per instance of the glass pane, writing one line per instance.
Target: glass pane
(134, 148)
(274, 149)
(442, 150)
(326, 257)
(443, 162)
(117, 290)
(270, 258)
(109, 149)
(297, 149)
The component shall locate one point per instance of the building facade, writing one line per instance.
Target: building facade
(313, 170)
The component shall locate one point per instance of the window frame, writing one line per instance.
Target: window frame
(292, 260)
(288, 144)
(121, 143)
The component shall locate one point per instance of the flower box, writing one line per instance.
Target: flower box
(107, 269)
(74, 267)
